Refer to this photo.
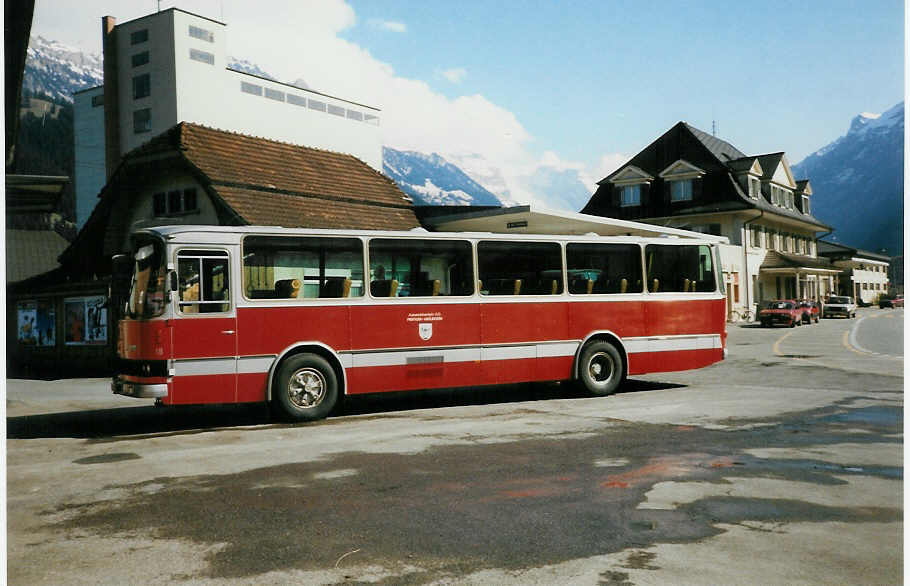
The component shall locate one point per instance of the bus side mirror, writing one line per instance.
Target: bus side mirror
(172, 281)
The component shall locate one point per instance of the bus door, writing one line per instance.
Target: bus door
(204, 330)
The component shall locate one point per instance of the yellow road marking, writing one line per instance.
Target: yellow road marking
(849, 347)
(781, 339)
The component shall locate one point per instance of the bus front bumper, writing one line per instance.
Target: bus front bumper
(121, 386)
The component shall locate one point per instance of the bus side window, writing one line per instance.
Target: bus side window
(302, 267)
(603, 268)
(203, 281)
(680, 269)
(409, 267)
(519, 268)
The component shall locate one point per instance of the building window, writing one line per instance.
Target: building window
(355, 115)
(142, 120)
(754, 187)
(142, 86)
(175, 202)
(274, 94)
(139, 36)
(202, 56)
(202, 34)
(97, 100)
(806, 209)
(317, 105)
(296, 100)
(756, 236)
(681, 190)
(336, 110)
(250, 88)
(140, 58)
(630, 195)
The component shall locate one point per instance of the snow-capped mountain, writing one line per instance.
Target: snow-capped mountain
(432, 180)
(248, 67)
(858, 182)
(56, 70)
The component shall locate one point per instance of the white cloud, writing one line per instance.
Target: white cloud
(455, 75)
(294, 39)
(389, 25)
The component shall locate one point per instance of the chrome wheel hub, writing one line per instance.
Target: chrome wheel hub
(600, 367)
(306, 388)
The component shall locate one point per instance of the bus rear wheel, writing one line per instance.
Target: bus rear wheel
(600, 368)
(306, 388)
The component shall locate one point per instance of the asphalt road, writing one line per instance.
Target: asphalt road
(781, 465)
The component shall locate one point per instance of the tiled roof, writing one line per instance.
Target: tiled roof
(253, 163)
(301, 211)
(31, 252)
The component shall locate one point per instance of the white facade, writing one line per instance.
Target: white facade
(172, 68)
(868, 278)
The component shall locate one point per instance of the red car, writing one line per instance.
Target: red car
(898, 301)
(811, 311)
(781, 311)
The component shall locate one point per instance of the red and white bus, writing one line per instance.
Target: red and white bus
(300, 318)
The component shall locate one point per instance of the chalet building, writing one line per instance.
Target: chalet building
(864, 275)
(190, 174)
(692, 180)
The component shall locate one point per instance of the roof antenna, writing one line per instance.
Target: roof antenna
(713, 124)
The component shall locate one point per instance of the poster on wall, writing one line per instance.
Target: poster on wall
(36, 323)
(85, 320)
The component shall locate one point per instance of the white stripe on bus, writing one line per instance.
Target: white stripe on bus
(203, 366)
(398, 357)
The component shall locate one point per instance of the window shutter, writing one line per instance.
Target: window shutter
(645, 193)
(666, 192)
(617, 196)
(696, 188)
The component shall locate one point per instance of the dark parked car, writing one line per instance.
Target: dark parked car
(781, 311)
(897, 301)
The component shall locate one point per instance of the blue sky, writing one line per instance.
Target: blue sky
(510, 90)
(587, 77)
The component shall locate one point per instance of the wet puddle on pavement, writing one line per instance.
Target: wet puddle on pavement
(530, 502)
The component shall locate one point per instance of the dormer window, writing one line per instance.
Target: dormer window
(681, 178)
(754, 187)
(630, 195)
(806, 209)
(681, 190)
(630, 186)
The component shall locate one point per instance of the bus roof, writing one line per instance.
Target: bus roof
(233, 234)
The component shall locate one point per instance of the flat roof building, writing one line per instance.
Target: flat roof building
(172, 67)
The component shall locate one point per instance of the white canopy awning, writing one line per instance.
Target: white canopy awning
(530, 220)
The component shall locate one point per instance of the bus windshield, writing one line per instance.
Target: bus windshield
(147, 295)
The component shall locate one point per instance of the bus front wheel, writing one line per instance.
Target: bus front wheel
(306, 388)
(600, 369)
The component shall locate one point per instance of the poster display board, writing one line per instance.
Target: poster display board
(36, 323)
(85, 321)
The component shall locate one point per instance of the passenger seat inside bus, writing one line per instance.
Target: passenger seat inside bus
(336, 287)
(287, 288)
(384, 288)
